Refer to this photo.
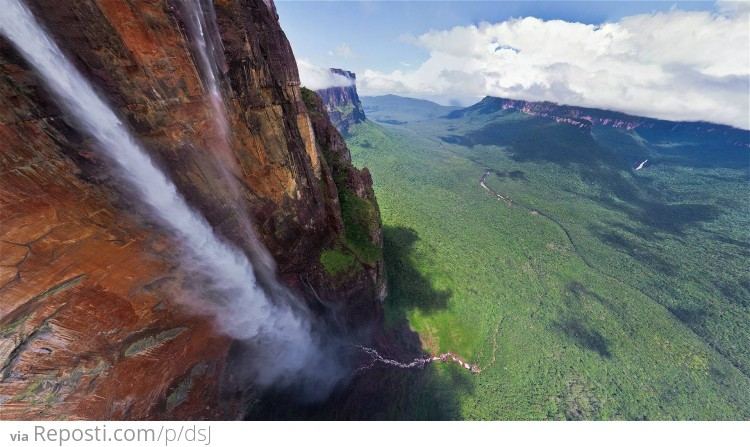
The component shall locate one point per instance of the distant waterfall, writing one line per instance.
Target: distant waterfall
(203, 26)
(199, 17)
(287, 346)
(200, 21)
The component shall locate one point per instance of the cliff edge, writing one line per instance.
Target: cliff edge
(90, 321)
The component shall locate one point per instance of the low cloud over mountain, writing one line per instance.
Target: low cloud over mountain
(642, 64)
(318, 78)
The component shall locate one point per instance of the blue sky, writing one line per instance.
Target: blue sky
(671, 60)
(373, 30)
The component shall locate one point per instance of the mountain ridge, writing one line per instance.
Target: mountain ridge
(394, 109)
(586, 117)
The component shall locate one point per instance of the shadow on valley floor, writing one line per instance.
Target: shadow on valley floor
(539, 140)
(576, 322)
(608, 178)
(380, 394)
(694, 317)
(385, 392)
(409, 289)
(511, 175)
(640, 251)
(664, 217)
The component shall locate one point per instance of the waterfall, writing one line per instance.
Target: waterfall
(200, 21)
(199, 17)
(288, 349)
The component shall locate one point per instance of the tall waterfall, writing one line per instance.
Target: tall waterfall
(287, 347)
(200, 21)
(199, 17)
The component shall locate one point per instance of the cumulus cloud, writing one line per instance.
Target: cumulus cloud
(318, 78)
(675, 65)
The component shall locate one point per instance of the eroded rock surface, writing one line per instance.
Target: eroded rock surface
(90, 325)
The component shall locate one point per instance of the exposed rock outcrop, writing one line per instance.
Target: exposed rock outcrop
(342, 103)
(89, 327)
(362, 240)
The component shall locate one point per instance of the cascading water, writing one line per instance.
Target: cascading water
(201, 21)
(199, 17)
(288, 349)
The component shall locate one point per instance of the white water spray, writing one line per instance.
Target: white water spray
(287, 349)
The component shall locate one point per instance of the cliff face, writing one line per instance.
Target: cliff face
(342, 103)
(89, 325)
(362, 240)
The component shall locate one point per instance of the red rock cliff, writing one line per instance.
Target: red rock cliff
(88, 324)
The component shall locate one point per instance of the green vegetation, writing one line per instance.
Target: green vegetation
(307, 98)
(623, 295)
(360, 216)
(345, 110)
(336, 261)
(360, 221)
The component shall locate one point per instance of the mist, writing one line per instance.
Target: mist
(318, 78)
(286, 349)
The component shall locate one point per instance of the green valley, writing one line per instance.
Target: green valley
(599, 292)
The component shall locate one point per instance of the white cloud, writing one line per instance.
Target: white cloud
(342, 50)
(318, 78)
(675, 65)
(733, 7)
